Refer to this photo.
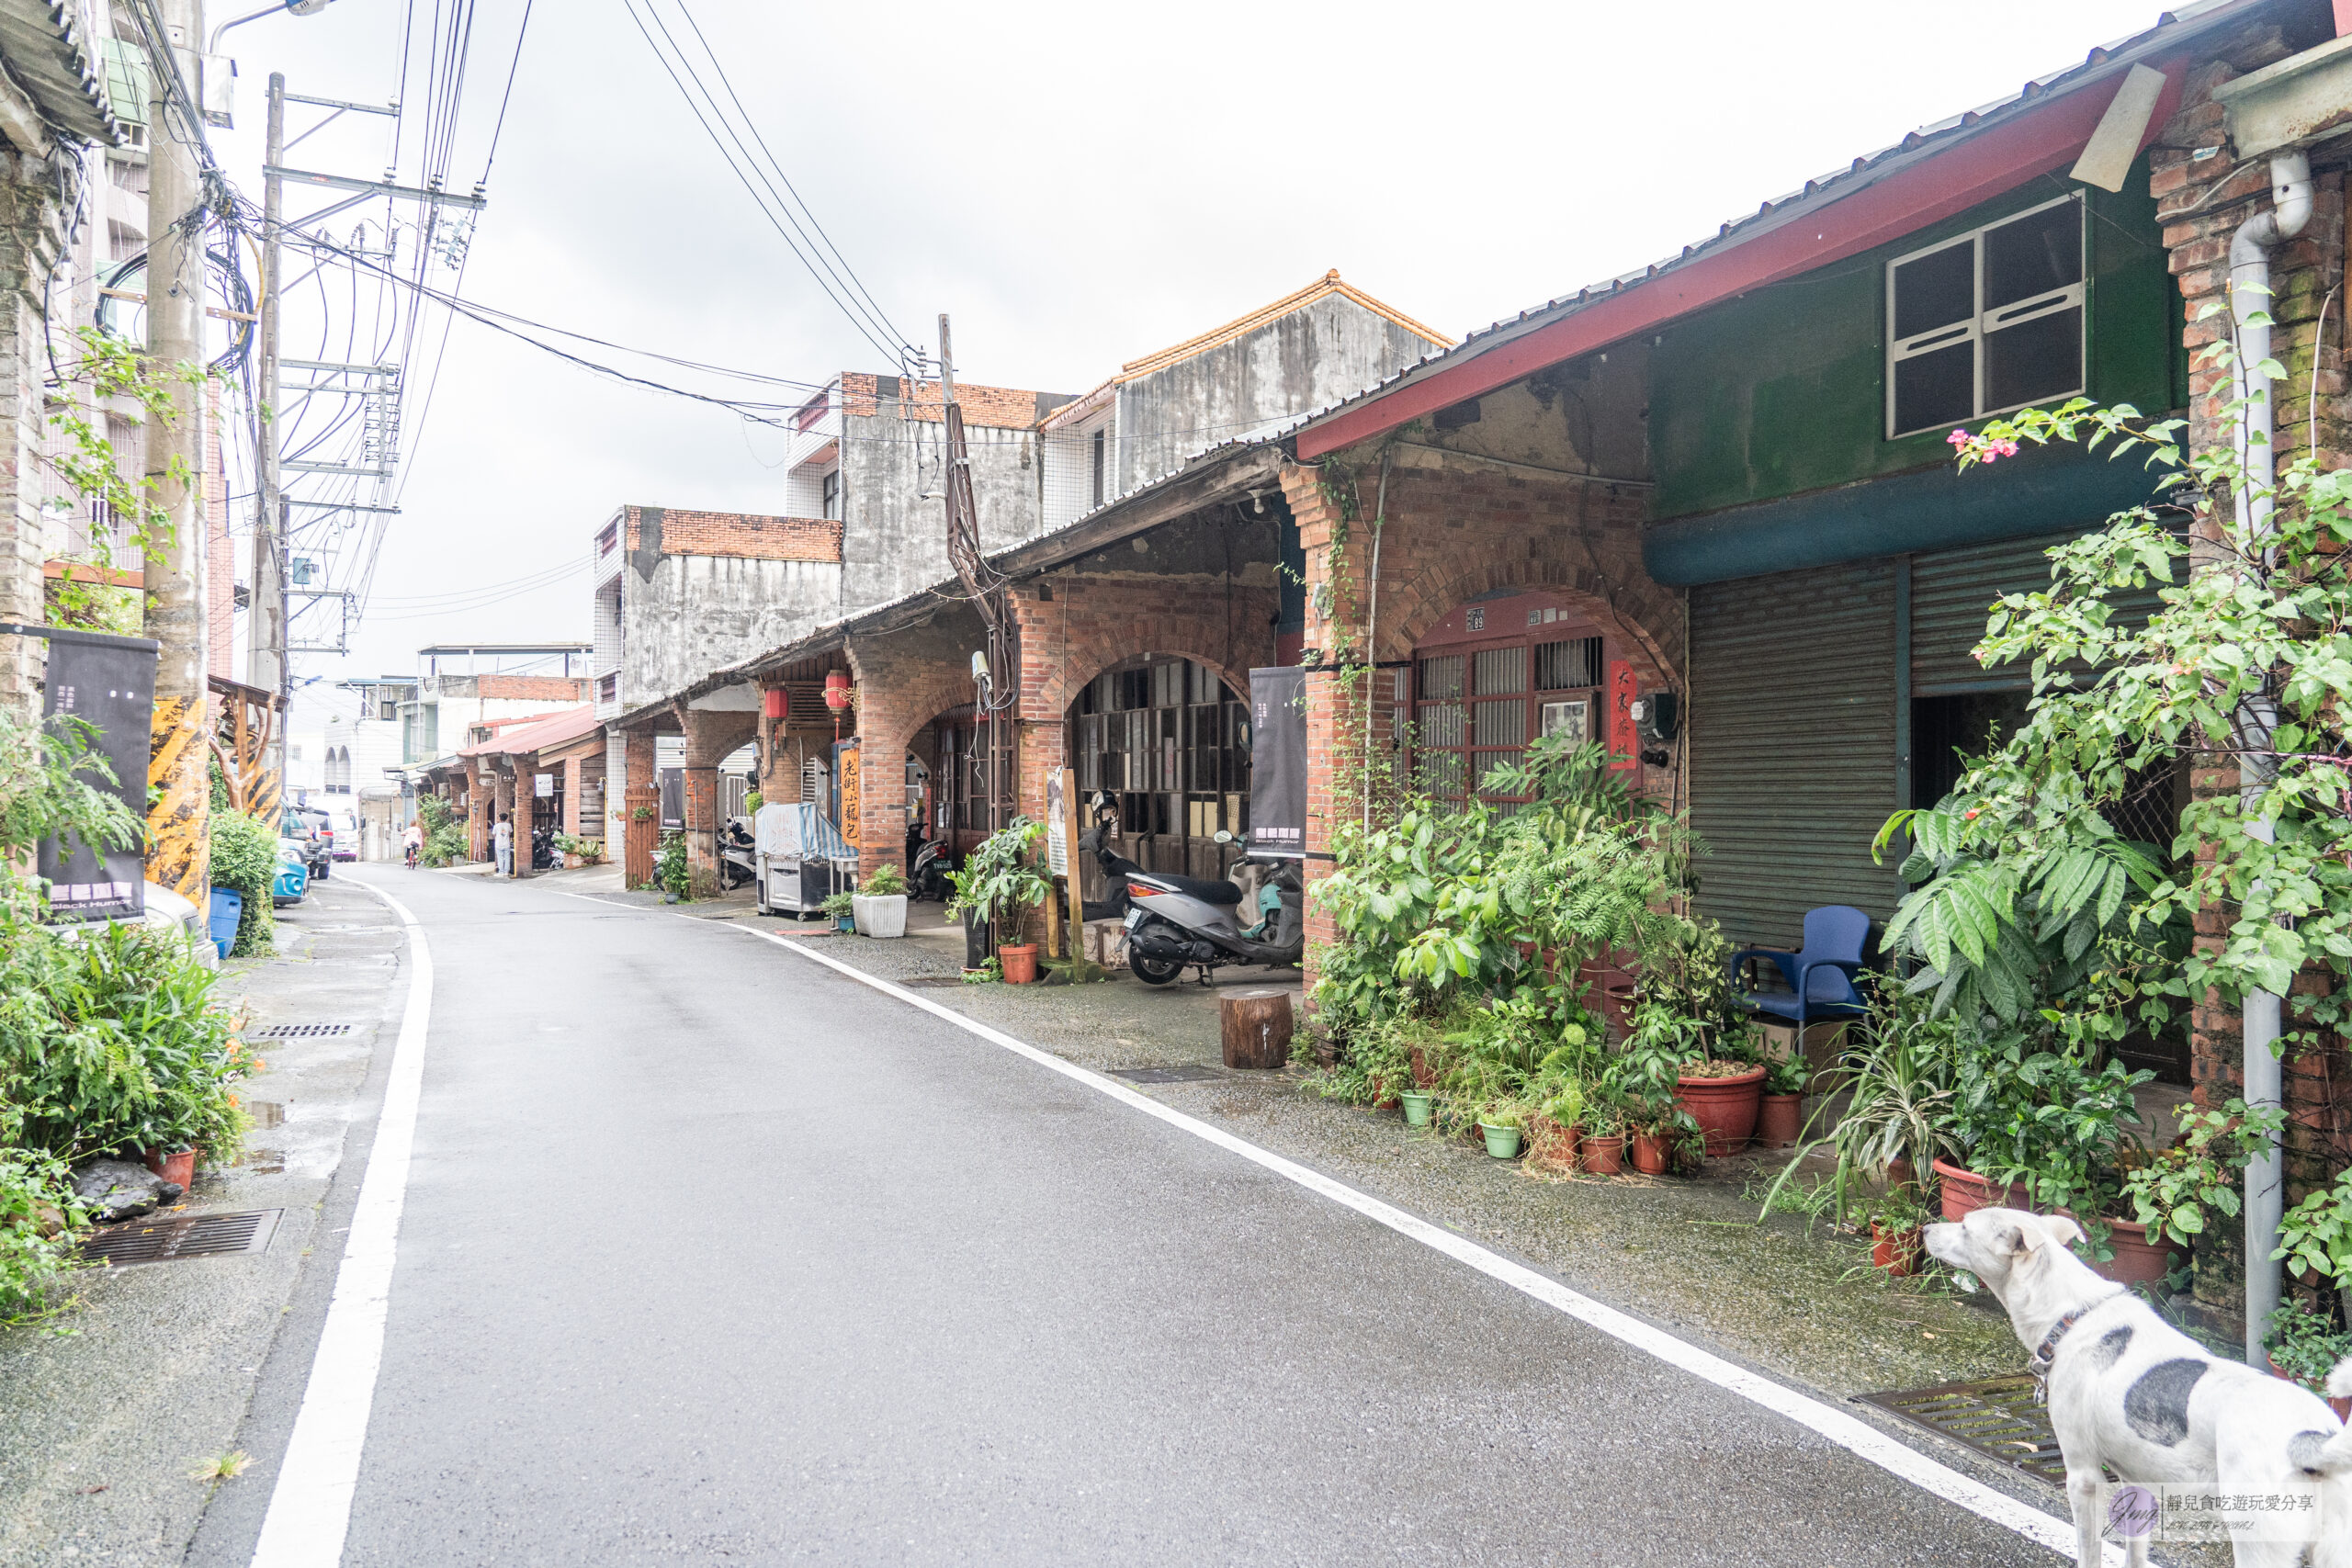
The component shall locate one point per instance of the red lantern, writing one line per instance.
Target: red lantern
(773, 700)
(837, 690)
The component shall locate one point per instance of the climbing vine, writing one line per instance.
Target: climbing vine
(107, 371)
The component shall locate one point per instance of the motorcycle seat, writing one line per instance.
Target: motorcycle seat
(1193, 887)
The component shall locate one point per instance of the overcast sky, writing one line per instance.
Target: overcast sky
(1077, 185)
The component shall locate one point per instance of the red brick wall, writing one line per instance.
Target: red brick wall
(2200, 210)
(1004, 407)
(1451, 533)
(532, 688)
(739, 533)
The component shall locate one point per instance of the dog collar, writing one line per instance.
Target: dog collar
(2044, 1354)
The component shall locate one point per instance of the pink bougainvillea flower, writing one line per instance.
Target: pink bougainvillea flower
(1958, 438)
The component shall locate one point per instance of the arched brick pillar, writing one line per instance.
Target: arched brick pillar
(899, 692)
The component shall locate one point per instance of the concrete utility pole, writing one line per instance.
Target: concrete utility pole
(266, 628)
(179, 822)
(964, 551)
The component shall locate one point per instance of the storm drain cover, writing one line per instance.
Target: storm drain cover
(182, 1236)
(1164, 1074)
(1996, 1417)
(301, 1030)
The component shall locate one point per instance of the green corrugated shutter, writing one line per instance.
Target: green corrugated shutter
(1953, 593)
(1792, 745)
(126, 77)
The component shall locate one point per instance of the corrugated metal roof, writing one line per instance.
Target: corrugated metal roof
(2171, 28)
(51, 49)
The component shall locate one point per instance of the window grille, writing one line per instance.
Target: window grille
(1986, 322)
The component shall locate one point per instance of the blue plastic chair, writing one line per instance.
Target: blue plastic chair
(1820, 976)
(228, 909)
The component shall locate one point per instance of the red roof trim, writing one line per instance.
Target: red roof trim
(2036, 141)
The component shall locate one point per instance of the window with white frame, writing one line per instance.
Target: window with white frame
(1987, 322)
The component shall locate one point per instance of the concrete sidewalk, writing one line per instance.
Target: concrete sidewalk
(105, 1409)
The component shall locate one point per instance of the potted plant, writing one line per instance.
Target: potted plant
(1000, 884)
(842, 910)
(1503, 1126)
(1779, 1112)
(1416, 1103)
(2040, 1124)
(1553, 1134)
(1600, 1148)
(880, 908)
(1897, 1219)
(2315, 1236)
(1723, 1098)
(671, 869)
(2172, 1193)
(2304, 1347)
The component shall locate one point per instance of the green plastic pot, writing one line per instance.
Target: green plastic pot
(1501, 1142)
(1417, 1107)
(845, 924)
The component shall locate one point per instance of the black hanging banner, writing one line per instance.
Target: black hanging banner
(1278, 763)
(108, 682)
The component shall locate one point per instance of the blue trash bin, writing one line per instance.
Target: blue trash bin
(228, 909)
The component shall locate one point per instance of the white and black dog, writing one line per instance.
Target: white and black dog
(2129, 1392)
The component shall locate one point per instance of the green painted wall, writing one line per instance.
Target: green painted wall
(1782, 390)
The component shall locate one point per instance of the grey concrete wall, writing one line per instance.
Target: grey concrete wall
(1317, 355)
(690, 614)
(895, 535)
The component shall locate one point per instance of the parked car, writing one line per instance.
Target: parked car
(344, 825)
(318, 855)
(293, 882)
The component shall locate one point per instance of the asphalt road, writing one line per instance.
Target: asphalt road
(711, 1254)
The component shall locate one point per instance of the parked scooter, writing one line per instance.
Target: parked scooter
(928, 865)
(543, 855)
(1173, 922)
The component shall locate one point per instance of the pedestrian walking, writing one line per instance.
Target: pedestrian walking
(501, 842)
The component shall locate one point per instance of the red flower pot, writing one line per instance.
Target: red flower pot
(1779, 1119)
(1019, 962)
(1601, 1156)
(2137, 1261)
(1964, 1193)
(2342, 1407)
(1897, 1252)
(1649, 1155)
(1724, 1109)
(179, 1167)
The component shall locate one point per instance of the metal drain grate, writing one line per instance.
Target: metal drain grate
(301, 1030)
(183, 1236)
(1165, 1075)
(1996, 1417)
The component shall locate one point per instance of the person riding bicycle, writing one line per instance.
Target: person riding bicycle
(413, 841)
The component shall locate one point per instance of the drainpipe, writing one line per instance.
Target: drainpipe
(1370, 635)
(2291, 196)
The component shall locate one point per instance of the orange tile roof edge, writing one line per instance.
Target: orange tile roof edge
(1322, 287)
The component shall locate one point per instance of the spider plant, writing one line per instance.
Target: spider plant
(1899, 1084)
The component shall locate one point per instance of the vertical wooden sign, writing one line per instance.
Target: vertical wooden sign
(1624, 736)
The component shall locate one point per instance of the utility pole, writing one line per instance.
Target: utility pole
(179, 821)
(963, 550)
(268, 665)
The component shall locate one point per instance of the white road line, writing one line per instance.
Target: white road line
(309, 1509)
(1848, 1432)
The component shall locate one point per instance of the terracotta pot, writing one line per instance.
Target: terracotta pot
(1779, 1119)
(1019, 962)
(1964, 1193)
(2137, 1261)
(1650, 1154)
(1551, 1145)
(1897, 1252)
(2342, 1407)
(1382, 1096)
(179, 1167)
(1724, 1109)
(1601, 1156)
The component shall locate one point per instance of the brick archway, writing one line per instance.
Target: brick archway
(1090, 626)
(896, 696)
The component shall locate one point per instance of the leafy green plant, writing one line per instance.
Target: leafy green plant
(839, 906)
(51, 785)
(1000, 883)
(2316, 1235)
(1787, 1075)
(245, 857)
(446, 840)
(39, 1224)
(751, 802)
(1897, 1082)
(2305, 1345)
(2045, 1117)
(990, 971)
(671, 870)
(883, 881)
(107, 375)
(2172, 1191)
(589, 850)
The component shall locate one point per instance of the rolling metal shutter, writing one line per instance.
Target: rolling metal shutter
(1792, 743)
(1953, 593)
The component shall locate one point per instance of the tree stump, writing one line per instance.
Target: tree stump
(1257, 1026)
